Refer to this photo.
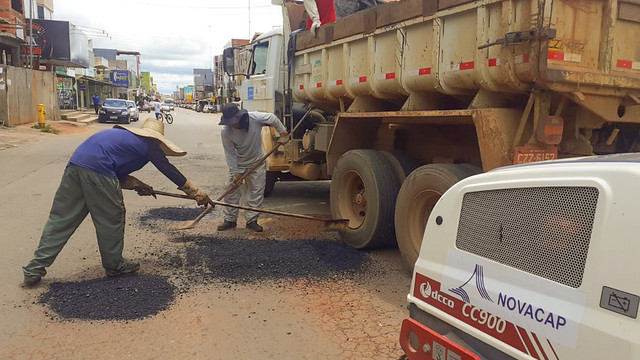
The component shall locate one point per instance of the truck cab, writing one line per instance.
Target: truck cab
(264, 76)
(532, 261)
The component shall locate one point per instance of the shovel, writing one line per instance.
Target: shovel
(330, 224)
(236, 183)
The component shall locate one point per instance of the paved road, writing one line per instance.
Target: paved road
(238, 296)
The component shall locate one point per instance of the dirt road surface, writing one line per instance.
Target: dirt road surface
(292, 292)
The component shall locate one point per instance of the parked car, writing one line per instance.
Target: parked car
(207, 108)
(133, 110)
(114, 110)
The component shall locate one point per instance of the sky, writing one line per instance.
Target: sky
(173, 37)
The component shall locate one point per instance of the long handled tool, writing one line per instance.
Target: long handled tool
(236, 183)
(331, 224)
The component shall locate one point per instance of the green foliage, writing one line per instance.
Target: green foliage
(46, 128)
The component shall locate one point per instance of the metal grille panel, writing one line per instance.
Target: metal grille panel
(544, 231)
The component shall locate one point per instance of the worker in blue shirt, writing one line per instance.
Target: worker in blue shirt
(92, 183)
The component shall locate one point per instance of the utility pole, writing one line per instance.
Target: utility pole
(249, 11)
(30, 34)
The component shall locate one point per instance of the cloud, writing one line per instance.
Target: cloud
(173, 37)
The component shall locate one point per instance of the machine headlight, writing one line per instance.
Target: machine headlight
(125, 112)
(102, 111)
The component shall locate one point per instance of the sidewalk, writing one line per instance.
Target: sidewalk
(15, 136)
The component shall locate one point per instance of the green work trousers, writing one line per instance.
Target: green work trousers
(83, 192)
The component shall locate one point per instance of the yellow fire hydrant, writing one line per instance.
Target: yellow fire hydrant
(41, 114)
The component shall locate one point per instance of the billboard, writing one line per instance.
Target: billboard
(119, 78)
(145, 80)
(58, 43)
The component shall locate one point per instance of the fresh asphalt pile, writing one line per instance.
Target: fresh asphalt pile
(237, 260)
(288, 249)
(127, 297)
(176, 213)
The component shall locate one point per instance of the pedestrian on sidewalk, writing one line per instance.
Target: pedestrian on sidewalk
(92, 183)
(96, 102)
(242, 142)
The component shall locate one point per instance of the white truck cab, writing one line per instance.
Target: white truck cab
(534, 261)
(265, 78)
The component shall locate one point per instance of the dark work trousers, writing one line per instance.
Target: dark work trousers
(83, 192)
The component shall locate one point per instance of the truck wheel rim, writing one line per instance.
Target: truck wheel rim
(422, 204)
(353, 199)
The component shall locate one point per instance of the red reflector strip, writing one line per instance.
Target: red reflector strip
(467, 65)
(493, 62)
(390, 76)
(338, 82)
(556, 55)
(362, 79)
(522, 59)
(561, 56)
(301, 87)
(462, 66)
(625, 64)
(424, 71)
(319, 85)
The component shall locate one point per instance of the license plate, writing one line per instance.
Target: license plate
(529, 154)
(113, 117)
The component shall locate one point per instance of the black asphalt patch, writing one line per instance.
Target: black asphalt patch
(127, 297)
(252, 260)
(176, 213)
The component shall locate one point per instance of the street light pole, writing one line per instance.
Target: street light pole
(249, 11)
(30, 34)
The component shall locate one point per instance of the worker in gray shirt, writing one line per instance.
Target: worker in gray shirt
(242, 142)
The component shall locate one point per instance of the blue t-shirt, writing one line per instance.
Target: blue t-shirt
(117, 153)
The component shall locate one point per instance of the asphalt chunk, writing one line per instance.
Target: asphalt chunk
(127, 297)
(176, 213)
(252, 260)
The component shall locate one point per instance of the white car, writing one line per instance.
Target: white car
(166, 107)
(134, 113)
(169, 102)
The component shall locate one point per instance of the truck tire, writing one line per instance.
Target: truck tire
(402, 164)
(418, 195)
(270, 182)
(364, 187)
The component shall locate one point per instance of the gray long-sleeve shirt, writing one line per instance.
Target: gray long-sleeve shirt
(243, 148)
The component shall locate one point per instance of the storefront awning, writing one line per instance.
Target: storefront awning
(98, 81)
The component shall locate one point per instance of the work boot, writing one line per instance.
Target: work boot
(226, 225)
(31, 280)
(128, 268)
(254, 226)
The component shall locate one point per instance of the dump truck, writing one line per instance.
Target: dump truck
(405, 99)
(533, 261)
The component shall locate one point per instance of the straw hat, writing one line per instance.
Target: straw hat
(153, 128)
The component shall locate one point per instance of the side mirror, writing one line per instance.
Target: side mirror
(228, 61)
